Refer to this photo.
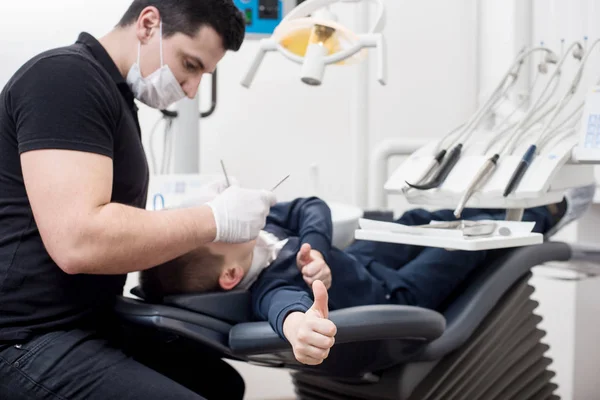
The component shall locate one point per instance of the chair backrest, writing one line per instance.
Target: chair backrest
(482, 291)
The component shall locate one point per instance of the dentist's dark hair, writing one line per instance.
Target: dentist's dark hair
(188, 16)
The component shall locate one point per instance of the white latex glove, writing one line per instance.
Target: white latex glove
(240, 214)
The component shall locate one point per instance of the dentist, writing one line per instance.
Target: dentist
(73, 187)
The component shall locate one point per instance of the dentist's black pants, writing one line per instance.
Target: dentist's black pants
(78, 364)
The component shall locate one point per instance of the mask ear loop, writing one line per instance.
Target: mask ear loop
(139, 52)
(161, 45)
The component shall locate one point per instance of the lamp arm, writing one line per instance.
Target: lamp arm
(381, 60)
(380, 20)
(310, 6)
(306, 8)
(265, 45)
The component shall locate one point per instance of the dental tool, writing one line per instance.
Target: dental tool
(521, 169)
(229, 184)
(481, 176)
(435, 162)
(225, 173)
(467, 227)
(280, 182)
(444, 171)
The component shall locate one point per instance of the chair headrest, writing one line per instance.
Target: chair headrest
(233, 306)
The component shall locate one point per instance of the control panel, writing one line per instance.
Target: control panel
(588, 149)
(263, 16)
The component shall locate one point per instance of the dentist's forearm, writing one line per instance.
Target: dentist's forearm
(118, 239)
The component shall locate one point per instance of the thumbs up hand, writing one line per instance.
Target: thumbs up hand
(313, 266)
(311, 334)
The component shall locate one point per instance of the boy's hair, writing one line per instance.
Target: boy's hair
(188, 16)
(194, 272)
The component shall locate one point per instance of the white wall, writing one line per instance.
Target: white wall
(433, 73)
(30, 26)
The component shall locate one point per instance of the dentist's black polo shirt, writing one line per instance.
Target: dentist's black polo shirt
(70, 98)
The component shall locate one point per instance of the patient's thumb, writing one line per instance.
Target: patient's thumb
(321, 299)
(304, 255)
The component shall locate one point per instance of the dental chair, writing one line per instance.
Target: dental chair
(484, 344)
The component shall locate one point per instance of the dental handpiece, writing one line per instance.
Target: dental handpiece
(436, 162)
(485, 170)
(521, 169)
(444, 171)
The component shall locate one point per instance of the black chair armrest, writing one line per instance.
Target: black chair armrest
(356, 324)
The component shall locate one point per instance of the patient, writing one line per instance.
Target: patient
(295, 276)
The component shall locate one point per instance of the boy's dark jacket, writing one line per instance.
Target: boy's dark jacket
(280, 289)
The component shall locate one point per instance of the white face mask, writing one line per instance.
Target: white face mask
(265, 252)
(158, 90)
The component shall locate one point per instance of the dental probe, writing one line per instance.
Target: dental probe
(225, 173)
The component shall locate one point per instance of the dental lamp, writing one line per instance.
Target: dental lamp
(311, 36)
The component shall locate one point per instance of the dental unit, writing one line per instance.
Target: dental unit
(489, 166)
(509, 79)
(533, 149)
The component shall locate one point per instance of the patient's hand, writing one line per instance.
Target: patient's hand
(313, 266)
(311, 334)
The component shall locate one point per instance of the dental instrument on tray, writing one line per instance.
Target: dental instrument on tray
(487, 169)
(457, 144)
(468, 228)
(460, 229)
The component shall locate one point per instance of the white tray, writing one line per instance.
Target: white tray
(454, 243)
(392, 232)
